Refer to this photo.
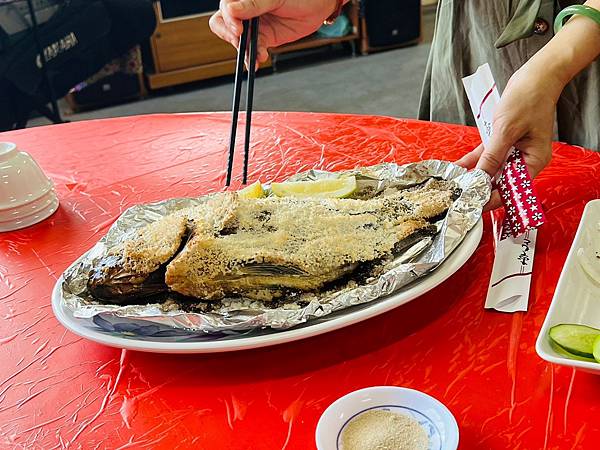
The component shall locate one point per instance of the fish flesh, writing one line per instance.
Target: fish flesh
(266, 248)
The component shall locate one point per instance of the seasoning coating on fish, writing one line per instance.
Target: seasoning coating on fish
(136, 268)
(266, 248)
(283, 244)
(154, 245)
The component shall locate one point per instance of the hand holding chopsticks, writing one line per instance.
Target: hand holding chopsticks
(250, 28)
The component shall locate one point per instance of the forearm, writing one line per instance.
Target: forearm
(569, 52)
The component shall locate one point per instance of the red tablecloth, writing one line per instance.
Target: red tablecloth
(57, 389)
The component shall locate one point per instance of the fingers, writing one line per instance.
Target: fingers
(536, 156)
(247, 62)
(494, 202)
(247, 9)
(536, 152)
(263, 54)
(233, 24)
(229, 27)
(219, 27)
(469, 160)
(494, 154)
(492, 157)
(263, 42)
(226, 24)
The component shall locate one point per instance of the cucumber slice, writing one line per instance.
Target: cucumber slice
(561, 351)
(576, 339)
(596, 349)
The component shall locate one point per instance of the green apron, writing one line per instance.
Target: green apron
(469, 33)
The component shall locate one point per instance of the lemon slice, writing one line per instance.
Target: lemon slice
(334, 188)
(255, 190)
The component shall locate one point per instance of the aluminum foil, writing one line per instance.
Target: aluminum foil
(240, 316)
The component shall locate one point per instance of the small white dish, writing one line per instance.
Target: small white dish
(577, 296)
(432, 415)
(27, 195)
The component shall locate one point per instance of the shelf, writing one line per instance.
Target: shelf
(180, 76)
(312, 42)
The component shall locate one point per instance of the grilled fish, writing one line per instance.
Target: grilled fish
(265, 248)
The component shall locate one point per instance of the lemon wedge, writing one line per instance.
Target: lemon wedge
(255, 190)
(329, 188)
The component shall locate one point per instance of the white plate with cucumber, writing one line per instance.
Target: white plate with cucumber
(570, 335)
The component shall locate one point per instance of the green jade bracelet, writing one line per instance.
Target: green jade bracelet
(581, 10)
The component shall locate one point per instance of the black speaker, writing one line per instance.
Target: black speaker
(175, 9)
(391, 22)
(111, 89)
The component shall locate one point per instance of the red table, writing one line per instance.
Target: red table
(57, 389)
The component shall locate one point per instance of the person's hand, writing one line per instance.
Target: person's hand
(281, 21)
(524, 120)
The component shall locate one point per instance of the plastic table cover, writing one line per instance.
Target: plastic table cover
(58, 391)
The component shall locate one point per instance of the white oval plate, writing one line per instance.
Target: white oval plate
(85, 328)
(432, 415)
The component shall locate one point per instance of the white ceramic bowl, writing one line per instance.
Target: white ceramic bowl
(27, 195)
(433, 416)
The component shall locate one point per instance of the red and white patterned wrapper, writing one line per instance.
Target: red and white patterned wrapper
(523, 209)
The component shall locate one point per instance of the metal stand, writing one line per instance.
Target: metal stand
(274, 63)
(54, 114)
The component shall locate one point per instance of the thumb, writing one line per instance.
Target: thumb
(247, 9)
(469, 160)
(537, 155)
(494, 154)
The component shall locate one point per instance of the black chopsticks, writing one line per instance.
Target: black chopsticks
(250, 28)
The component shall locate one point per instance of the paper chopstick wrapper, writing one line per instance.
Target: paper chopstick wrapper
(515, 245)
(513, 266)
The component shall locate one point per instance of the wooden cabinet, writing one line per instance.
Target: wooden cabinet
(184, 49)
(188, 43)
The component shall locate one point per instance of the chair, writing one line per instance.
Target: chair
(43, 61)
